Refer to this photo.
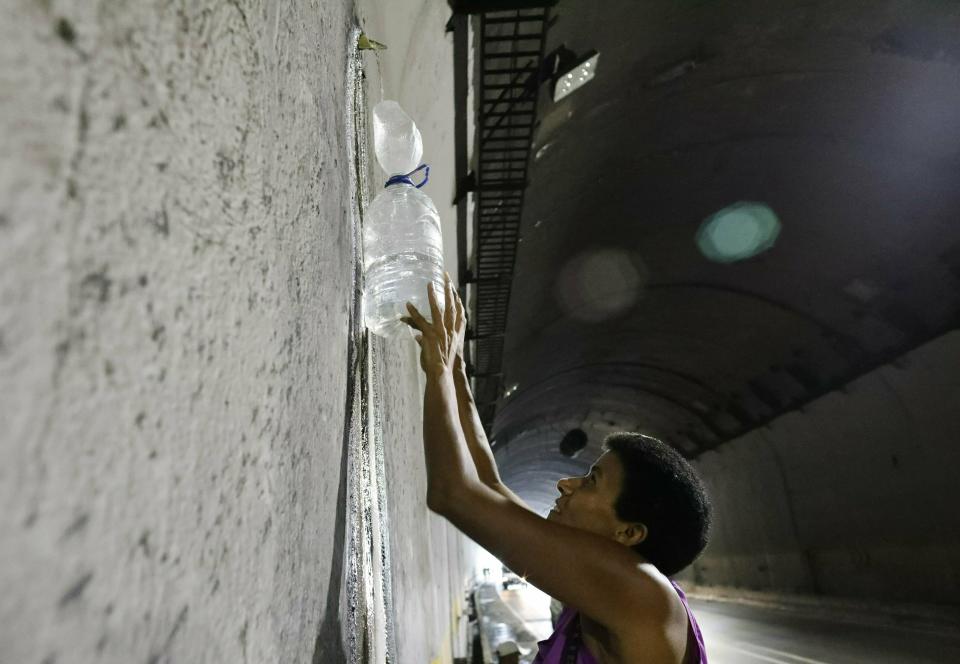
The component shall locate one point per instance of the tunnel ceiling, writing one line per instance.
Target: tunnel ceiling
(843, 118)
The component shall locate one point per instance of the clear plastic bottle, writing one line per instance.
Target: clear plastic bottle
(402, 241)
(396, 139)
(402, 254)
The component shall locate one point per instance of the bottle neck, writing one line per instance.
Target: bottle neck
(405, 179)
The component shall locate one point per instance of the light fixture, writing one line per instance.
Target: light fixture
(542, 151)
(737, 232)
(576, 77)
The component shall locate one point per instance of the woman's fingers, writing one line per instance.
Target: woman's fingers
(415, 319)
(449, 308)
(461, 314)
(450, 318)
(435, 314)
(409, 321)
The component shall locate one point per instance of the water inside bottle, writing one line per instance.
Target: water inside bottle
(397, 279)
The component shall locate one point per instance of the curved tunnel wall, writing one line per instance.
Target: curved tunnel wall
(844, 497)
(847, 496)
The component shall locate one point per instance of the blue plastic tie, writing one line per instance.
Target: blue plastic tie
(405, 179)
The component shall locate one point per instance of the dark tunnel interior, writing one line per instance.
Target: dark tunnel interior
(733, 226)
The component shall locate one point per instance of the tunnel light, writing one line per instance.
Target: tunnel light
(511, 389)
(542, 151)
(738, 232)
(578, 76)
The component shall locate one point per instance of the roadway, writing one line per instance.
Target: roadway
(744, 634)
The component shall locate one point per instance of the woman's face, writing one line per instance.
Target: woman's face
(588, 502)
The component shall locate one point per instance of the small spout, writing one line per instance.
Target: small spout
(364, 43)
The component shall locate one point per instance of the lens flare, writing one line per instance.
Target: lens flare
(738, 232)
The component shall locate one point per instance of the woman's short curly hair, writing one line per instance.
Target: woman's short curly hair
(662, 491)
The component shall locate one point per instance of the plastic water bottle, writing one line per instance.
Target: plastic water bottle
(396, 139)
(402, 241)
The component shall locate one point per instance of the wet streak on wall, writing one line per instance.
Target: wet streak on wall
(343, 635)
(432, 563)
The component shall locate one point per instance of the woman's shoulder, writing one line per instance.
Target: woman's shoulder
(657, 597)
(662, 624)
(653, 600)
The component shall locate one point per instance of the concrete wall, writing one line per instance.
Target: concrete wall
(846, 497)
(188, 465)
(433, 563)
(416, 70)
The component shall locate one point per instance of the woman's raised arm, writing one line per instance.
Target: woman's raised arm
(597, 575)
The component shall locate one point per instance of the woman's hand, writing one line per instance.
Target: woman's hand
(442, 339)
(462, 330)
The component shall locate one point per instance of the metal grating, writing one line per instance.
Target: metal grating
(509, 51)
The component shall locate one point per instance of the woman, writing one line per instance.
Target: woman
(609, 544)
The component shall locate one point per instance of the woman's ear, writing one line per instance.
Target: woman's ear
(632, 533)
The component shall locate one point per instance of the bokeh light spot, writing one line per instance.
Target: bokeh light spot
(737, 232)
(599, 284)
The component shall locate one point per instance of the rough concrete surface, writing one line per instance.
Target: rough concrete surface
(202, 456)
(432, 562)
(175, 286)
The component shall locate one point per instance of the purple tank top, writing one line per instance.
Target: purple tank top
(560, 647)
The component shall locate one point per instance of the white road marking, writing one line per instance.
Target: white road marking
(798, 658)
(762, 658)
(756, 655)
